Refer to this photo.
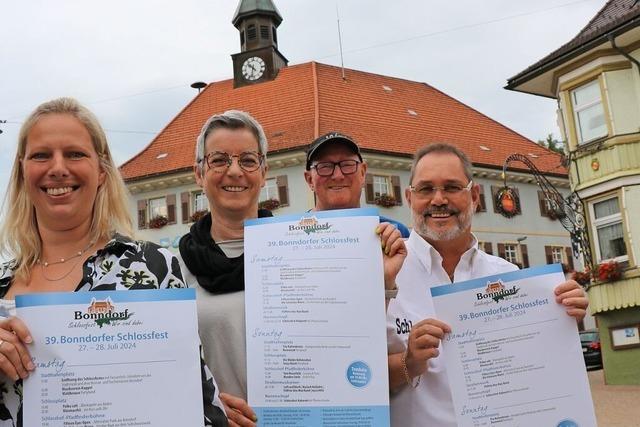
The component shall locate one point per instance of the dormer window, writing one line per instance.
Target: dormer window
(588, 112)
(252, 32)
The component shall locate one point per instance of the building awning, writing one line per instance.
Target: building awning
(614, 295)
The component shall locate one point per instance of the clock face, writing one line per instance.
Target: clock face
(253, 68)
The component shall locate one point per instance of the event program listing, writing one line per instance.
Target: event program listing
(289, 292)
(485, 366)
(289, 369)
(84, 413)
(498, 374)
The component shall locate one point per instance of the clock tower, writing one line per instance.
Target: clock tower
(259, 59)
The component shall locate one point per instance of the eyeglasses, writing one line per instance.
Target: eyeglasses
(248, 161)
(428, 191)
(347, 167)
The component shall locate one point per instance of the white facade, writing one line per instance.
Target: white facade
(491, 228)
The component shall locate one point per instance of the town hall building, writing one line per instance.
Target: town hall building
(389, 117)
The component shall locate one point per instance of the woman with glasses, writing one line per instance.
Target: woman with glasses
(67, 227)
(231, 168)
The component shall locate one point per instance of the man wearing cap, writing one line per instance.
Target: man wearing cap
(335, 172)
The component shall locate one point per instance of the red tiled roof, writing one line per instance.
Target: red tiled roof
(310, 99)
(615, 14)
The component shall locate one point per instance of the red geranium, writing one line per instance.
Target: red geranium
(609, 271)
(582, 277)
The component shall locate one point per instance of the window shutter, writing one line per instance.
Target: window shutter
(501, 250)
(264, 32)
(525, 256)
(368, 189)
(252, 32)
(518, 201)
(494, 191)
(184, 203)
(488, 248)
(542, 201)
(569, 253)
(171, 208)
(142, 214)
(283, 190)
(548, 254)
(482, 204)
(397, 190)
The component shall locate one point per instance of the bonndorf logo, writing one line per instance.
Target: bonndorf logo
(497, 291)
(310, 225)
(103, 312)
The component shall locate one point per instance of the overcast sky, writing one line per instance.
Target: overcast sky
(131, 62)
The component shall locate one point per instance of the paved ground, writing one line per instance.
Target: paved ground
(615, 405)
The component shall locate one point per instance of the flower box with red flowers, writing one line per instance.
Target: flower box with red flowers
(158, 221)
(582, 277)
(385, 200)
(609, 271)
(195, 217)
(269, 204)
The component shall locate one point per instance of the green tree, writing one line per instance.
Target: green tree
(552, 144)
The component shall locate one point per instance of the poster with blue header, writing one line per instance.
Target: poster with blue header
(315, 319)
(513, 356)
(113, 358)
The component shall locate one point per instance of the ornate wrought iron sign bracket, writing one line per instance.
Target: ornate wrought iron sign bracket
(569, 211)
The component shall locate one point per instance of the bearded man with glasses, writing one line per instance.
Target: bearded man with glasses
(441, 249)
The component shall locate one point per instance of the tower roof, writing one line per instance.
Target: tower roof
(252, 7)
(383, 114)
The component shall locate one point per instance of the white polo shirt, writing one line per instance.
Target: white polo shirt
(429, 404)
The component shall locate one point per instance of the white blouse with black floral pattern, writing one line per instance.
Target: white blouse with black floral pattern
(123, 264)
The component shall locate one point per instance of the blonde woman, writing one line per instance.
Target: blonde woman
(67, 228)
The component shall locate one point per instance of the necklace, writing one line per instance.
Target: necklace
(63, 260)
(44, 264)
